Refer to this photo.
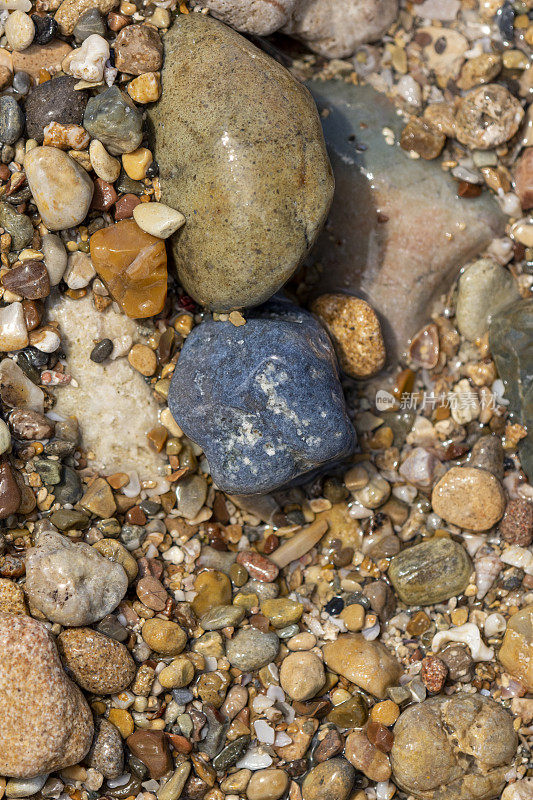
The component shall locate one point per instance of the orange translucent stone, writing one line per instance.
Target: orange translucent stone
(133, 266)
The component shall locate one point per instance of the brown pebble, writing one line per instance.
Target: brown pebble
(433, 673)
(331, 745)
(124, 206)
(152, 593)
(97, 663)
(138, 49)
(258, 566)
(104, 195)
(33, 313)
(30, 280)
(151, 747)
(9, 491)
(524, 178)
(135, 516)
(30, 425)
(143, 359)
(516, 526)
(380, 736)
(366, 757)
(421, 137)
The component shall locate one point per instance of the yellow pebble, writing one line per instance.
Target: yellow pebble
(122, 720)
(459, 616)
(183, 324)
(386, 712)
(353, 617)
(146, 88)
(135, 164)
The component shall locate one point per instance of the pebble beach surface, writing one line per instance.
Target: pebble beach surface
(266, 458)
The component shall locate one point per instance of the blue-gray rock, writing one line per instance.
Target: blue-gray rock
(54, 101)
(114, 119)
(388, 234)
(11, 120)
(263, 400)
(511, 344)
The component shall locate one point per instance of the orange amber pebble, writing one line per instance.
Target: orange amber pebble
(133, 266)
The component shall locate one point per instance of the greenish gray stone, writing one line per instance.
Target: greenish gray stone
(430, 572)
(222, 617)
(252, 649)
(17, 225)
(49, 471)
(65, 519)
(484, 288)
(241, 154)
(351, 714)
(231, 753)
(113, 118)
(511, 344)
(69, 489)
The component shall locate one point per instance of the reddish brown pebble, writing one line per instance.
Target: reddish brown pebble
(9, 491)
(380, 736)
(115, 22)
(152, 593)
(30, 425)
(151, 747)
(433, 673)
(259, 622)
(516, 526)
(104, 195)
(258, 566)
(138, 49)
(331, 745)
(179, 743)
(30, 280)
(11, 567)
(33, 314)
(136, 516)
(5, 173)
(469, 190)
(524, 178)
(124, 206)
(271, 544)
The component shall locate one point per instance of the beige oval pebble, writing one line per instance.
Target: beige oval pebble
(19, 30)
(470, 498)
(267, 784)
(106, 167)
(302, 675)
(62, 190)
(158, 219)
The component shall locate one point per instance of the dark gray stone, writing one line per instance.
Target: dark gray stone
(91, 22)
(113, 118)
(511, 344)
(263, 400)
(11, 120)
(54, 101)
(69, 490)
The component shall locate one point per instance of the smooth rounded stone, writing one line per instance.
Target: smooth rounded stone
(89, 23)
(430, 572)
(158, 219)
(55, 257)
(355, 331)
(62, 190)
(267, 784)
(302, 675)
(151, 747)
(222, 617)
(516, 653)
(265, 144)
(252, 649)
(17, 225)
(453, 748)
(366, 757)
(484, 288)
(25, 787)
(191, 493)
(470, 498)
(113, 119)
(177, 674)
(488, 453)
(387, 262)
(213, 590)
(281, 611)
(55, 100)
(263, 400)
(164, 636)
(331, 780)
(97, 663)
(45, 722)
(264, 591)
(336, 28)
(107, 751)
(11, 120)
(510, 344)
(368, 664)
(353, 713)
(72, 583)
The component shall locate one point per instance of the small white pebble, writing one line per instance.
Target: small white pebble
(87, 62)
(494, 624)
(158, 219)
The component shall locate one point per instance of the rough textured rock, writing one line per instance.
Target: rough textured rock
(107, 753)
(97, 663)
(260, 17)
(72, 583)
(367, 664)
(430, 572)
(425, 761)
(55, 100)
(332, 780)
(122, 391)
(336, 28)
(244, 158)
(470, 498)
(484, 289)
(45, 722)
(263, 400)
(403, 256)
(510, 343)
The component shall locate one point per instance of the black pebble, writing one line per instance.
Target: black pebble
(101, 351)
(505, 18)
(46, 28)
(334, 606)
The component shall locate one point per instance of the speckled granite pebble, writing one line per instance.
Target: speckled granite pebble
(97, 663)
(262, 400)
(252, 649)
(107, 752)
(72, 583)
(45, 722)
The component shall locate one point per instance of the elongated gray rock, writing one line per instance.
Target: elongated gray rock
(241, 153)
(397, 233)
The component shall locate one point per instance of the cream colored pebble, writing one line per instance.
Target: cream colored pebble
(19, 30)
(88, 61)
(158, 219)
(106, 167)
